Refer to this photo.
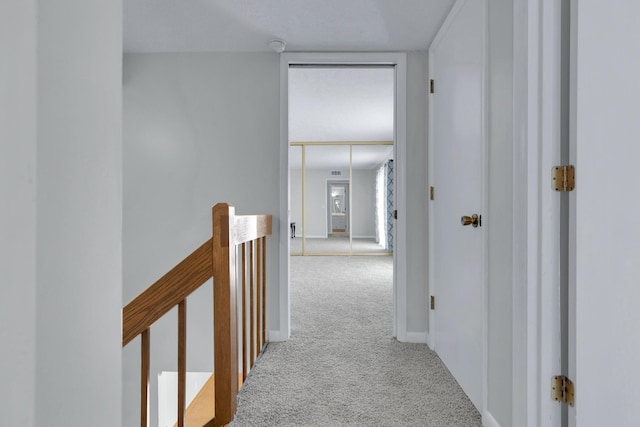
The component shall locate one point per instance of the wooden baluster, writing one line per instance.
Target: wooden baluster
(182, 361)
(225, 314)
(245, 366)
(145, 356)
(252, 346)
(258, 296)
(264, 291)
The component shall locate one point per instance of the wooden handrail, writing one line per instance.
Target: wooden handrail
(250, 227)
(215, 258)
(166, 293)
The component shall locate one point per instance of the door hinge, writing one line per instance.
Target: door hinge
(564, 178)
(395, 214)
(562, 389)
(431, 192)
(432, 86)
(433, 302)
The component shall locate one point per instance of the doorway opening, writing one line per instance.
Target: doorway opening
(338, 209)
(312, 189)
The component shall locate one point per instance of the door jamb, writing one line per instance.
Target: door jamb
(399, 60)
(536, 211)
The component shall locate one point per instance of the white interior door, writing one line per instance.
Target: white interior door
(605, 231)
(457, 155)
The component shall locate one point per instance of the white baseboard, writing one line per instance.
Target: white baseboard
(416, 337)
(277, 336)
(488, 420)
(429, 340)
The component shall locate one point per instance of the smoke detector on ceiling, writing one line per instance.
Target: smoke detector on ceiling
(277, 45)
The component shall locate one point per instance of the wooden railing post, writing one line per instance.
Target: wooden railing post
(225, 313)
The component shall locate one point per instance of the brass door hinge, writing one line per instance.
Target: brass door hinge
(433, 302)
(562, 389)
(432, 86)
(431, 191)
(564, 178)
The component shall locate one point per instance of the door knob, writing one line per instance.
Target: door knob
(474, 220)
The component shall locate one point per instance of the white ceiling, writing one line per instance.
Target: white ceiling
(306, 25)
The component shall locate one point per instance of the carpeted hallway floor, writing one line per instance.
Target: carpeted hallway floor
(341, 366)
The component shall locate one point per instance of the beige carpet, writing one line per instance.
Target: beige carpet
(341, 366)
(337, 245)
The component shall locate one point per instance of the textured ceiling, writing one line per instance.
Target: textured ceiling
(306, 25)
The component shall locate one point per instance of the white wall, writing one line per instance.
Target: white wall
(416, 196)
(198, 129)
(18, 213)
(499, 216)
(363, 209)
(185, 117)
(79, 213)
(61, 253)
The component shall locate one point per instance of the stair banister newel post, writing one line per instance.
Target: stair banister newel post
(225, 313)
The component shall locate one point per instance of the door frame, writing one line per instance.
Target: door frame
(537, 77)
(484, 209)
(536, 212)
(327, 188)
(399, 61)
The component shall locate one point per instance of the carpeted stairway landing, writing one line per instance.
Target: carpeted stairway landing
(341, 366)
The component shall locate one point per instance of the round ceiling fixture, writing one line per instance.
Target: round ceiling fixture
(277, 45)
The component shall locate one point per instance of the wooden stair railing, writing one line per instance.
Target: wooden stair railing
(233, 236)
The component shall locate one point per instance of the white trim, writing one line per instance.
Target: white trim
(573, 151)
(399, 60)
(430, 207)
(416, 337)
(277, 336)
(536, 210)
(549, 144)
(487, 214)
(489, 421)
(525, 157)
(430, 341)
(400, 175)
(284, 317)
